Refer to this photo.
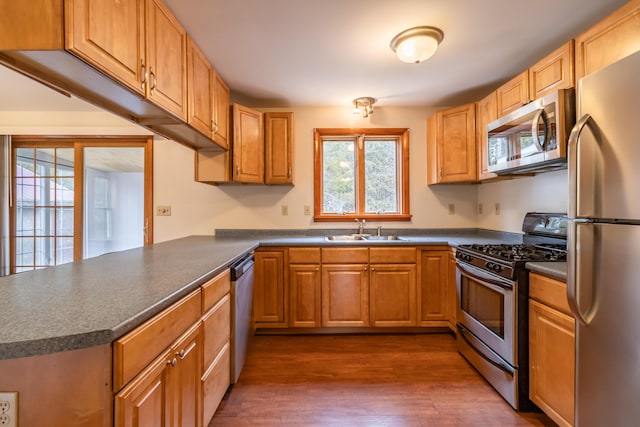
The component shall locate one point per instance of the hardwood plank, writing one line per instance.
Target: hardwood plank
(363, 380)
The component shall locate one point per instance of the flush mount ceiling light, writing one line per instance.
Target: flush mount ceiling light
(416, 44)
(363, 106)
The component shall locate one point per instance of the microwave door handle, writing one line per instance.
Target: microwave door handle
(540, 114)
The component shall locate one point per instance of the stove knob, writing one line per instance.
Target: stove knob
(489, 266)
(497, 268)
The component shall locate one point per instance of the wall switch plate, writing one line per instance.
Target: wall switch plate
(9, 409)
(452, 209)
(480, 209)
(497, 208)
(163, 210)
(285, 210)
(307, 209)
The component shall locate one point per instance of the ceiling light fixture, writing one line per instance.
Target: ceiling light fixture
(416, 44)
(363, 106)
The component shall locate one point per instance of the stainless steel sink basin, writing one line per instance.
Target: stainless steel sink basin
(347, 237)
(383, 238)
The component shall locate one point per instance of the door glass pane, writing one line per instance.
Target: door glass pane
(113, 199)
(25, 162)
(45, 255)
(339, 168)
(45, 162)
(381, 176)
(484, 304)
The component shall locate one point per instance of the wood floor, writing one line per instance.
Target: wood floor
(363, 380)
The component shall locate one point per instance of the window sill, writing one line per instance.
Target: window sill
(368, 217)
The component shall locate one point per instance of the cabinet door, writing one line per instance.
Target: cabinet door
(393, 295)
(457, 144)
(200, 90)
(513, 94)
(183, 379)
(142, 402)
(268, 289)
(553, 72)
(452, 292)
(433, 168)
(613, 38)
(220, 112)
(487, 111)
(166, 55)
(248, 145)
(345, 295)
(552, 362)
(110, 36)
(304, 286)
(433, 288)
(278, 149)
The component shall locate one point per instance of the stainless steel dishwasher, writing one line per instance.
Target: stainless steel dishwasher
(241, 311)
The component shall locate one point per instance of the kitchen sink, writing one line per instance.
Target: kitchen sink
(347, 237)
(383, 238)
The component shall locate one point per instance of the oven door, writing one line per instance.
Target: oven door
(487, 308)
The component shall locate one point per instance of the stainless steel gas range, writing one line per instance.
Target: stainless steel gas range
(493, 291)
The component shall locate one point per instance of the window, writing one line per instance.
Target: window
(78, 198)
(361, 173)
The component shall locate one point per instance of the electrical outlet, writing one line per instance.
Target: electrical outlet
(163, 210)
(480, 208)
(285, 210)
(497, 208)
(9, 409)
(452, 209)
(307, 210)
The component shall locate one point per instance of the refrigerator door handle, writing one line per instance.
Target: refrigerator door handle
(574, 139)
(580, 272)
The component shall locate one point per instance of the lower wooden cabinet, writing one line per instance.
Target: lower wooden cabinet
(393, 295)
(167, 393)
(304, 288)
(551, 350)
(345, 295)
(269, 289)
(435, 287)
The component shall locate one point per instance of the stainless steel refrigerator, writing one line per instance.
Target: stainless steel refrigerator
(603, 270)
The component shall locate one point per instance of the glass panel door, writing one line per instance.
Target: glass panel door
(113, 199)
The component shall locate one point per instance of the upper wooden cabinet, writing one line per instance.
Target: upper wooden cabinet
(138, 42)
(220, 111)
(613, 38)
(248, 145)
(513, 94)
(278, 148)
(554, 71)
(486, 112)
(451, 155)
(200, 112)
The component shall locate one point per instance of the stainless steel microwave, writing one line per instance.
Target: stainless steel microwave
(534, 137)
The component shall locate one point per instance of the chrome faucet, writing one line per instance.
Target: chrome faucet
(361, 223)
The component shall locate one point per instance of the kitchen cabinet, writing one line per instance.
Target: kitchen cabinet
(157, 368)
(392, 280)
(345, 287)
(220, 111)
(304, 286)
(248, 145)
(216, 336)
(451, 146)
(452, 291)
(278, 148)
(513, 94)
(486, 112)
(554, 71)
(269, 304)
(434, 287)
(143, 47)
(551, 349)
(200, 90)
(611, 39)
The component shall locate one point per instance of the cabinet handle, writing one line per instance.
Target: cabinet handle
(440, 174)
(143, 71)
(289, 172)
(154, 80)
(215, 127)
(173, 362)
(180, 354)
(212, 126)
(237, 169)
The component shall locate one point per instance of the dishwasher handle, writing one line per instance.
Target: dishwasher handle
(241, 267)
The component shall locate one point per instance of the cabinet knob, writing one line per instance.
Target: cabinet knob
(317, 268)
(181, 354)
(366, 268)
(173, 362)
(373, 269)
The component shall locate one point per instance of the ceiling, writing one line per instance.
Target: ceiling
(293, 53)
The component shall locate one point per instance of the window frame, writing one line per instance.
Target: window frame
(402, 135)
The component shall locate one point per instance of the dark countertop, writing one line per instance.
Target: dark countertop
(557, 270)
(97, 300)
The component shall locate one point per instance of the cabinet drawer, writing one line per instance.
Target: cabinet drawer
(549, 291)
(215, 382)
(392, 255)
(217, 329)
(135, 350)
(345, 255)
(215, 289)
(304, 255)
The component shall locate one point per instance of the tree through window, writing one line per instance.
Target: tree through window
(361, 173)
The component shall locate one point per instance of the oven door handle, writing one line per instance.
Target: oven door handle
(497, 362)
(479, 275)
